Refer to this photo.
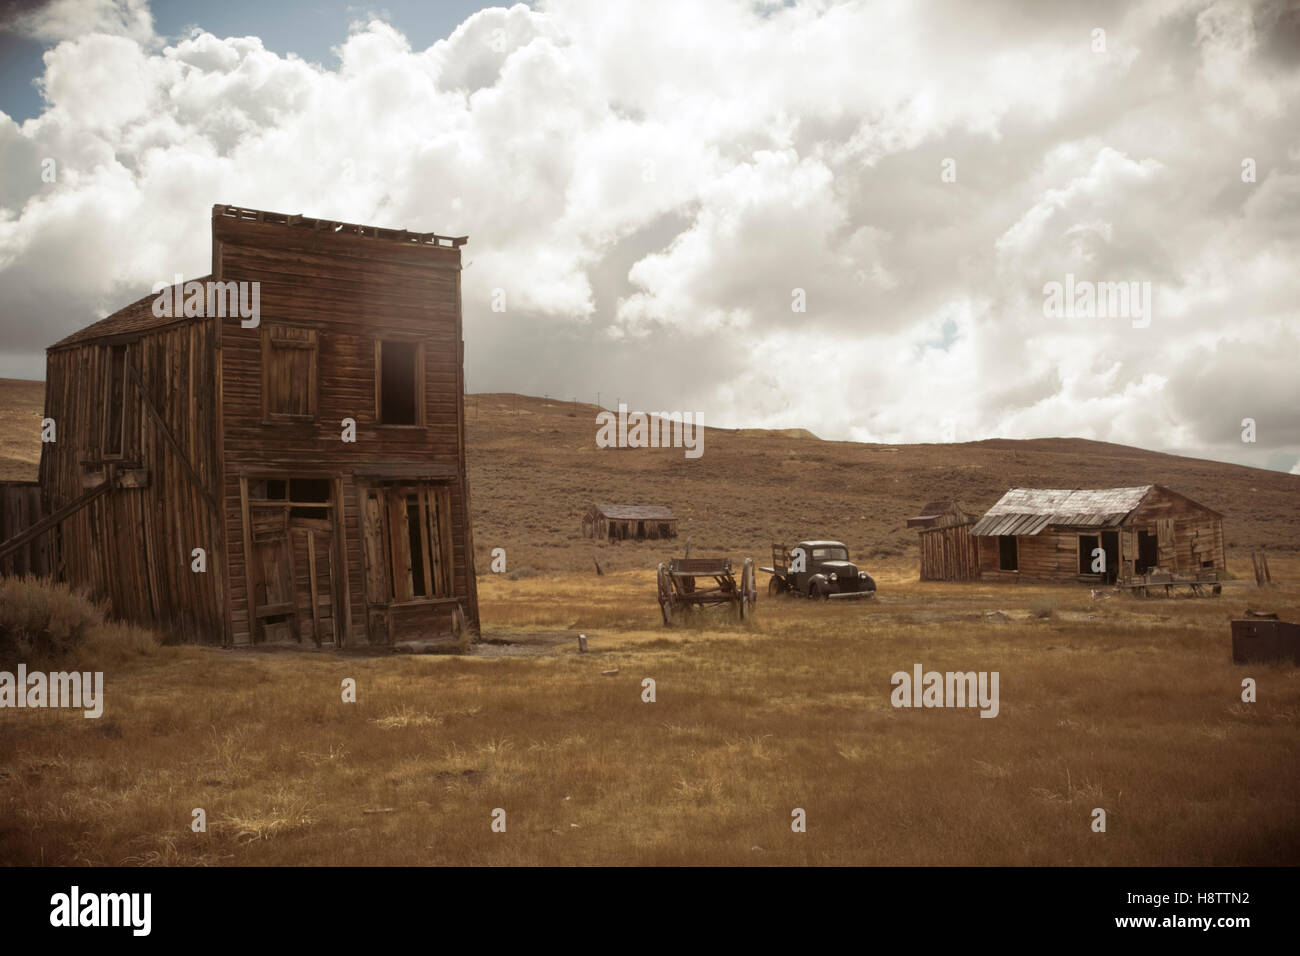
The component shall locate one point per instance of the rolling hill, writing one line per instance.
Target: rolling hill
(534, 469)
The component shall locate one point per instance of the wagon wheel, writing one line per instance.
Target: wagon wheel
(748, 589)
(666, 600)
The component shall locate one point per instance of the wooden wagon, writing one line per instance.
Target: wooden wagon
(681, 590)
(1203, 583)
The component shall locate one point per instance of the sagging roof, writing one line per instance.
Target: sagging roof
(941, 514)
(1027, 511)
(132, 319)
(635, 512)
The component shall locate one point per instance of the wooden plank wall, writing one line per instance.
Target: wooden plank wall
(133, 546)
(949, 554)
(1190, 534)
(20, 508)
(352, 289)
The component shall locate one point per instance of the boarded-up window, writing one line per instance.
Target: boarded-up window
(407, 542)
(288, 373)
(115, 402)
(399, 376)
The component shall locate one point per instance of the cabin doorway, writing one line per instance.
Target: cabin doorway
(1108, 543)
(293, 558)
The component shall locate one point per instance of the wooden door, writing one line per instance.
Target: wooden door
(314, 563)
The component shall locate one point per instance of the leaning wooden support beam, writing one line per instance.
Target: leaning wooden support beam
(49, 521)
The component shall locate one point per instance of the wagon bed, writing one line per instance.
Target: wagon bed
(680, 589)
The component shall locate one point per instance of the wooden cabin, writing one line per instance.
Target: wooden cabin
(203, 430)
(948, 552)
(628, 522)
(1050, 534)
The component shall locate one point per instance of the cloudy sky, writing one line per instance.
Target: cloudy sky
(838, 216)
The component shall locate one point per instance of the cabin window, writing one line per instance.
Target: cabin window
(399, 374)
(289, 357)
(1008, 558)
(115, 402)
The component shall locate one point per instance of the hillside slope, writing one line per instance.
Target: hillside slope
(535, 468)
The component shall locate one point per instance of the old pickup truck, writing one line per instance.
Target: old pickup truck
(817, 569)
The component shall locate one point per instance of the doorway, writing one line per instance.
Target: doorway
(293, 560)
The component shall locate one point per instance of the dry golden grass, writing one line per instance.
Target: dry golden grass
(1125, 704)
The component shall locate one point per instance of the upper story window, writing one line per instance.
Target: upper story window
(399, 382)
(288, 373)
(114, 408)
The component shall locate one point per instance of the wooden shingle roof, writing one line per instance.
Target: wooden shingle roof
(133, 319)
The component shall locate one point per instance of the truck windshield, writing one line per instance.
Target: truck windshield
(830, 554)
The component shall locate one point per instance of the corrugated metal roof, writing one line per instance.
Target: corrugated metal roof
(636, 512)
(1027, 511)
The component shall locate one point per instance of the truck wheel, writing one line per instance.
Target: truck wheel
(814, 592)
(774, 587)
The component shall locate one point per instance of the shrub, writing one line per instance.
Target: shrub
(45, 622)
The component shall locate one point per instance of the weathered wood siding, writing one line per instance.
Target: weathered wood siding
(20, 508)
(949, 554)
(133, 545)
(352, 290)
(1190, 536)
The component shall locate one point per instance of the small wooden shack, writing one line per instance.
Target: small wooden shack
(606, 522)
(1056, 534)
(297, 475)
(948, 552)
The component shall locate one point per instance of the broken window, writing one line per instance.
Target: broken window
(288, 373)
(1008, 557)
(115, 402)
(399, 369)
(407, 540)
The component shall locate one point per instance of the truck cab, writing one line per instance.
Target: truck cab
(818, 569)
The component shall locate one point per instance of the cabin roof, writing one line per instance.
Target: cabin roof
(1027, 511)
(130, 320)
(943, 513)
(635, 512)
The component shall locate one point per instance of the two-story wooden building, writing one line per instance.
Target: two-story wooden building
(298, 474)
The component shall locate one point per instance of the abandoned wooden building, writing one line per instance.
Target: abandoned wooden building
(1111, 535)
(948, 552)
(628, 522)
(298, 474)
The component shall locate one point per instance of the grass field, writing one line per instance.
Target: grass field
(1130, 705)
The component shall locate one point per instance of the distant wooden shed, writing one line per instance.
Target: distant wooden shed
(608, 522)
(948, 552)
(1057, 534)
